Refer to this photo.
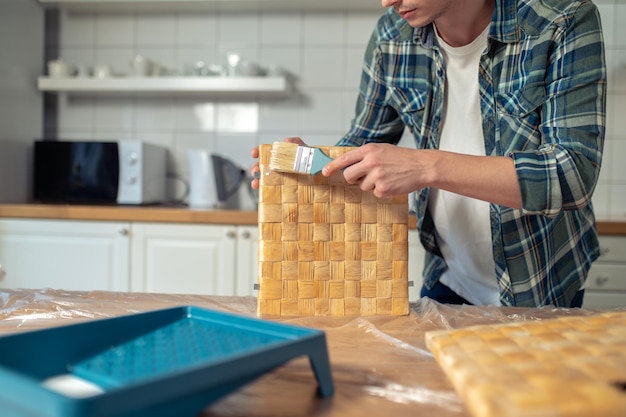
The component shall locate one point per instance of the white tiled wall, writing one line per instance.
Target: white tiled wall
(20, 103)
(610, 196)
(323, 51)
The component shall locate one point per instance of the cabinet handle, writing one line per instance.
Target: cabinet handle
(231, 234)
(124, 231)
(245, 235)
(3, 273)
(600, 281)
(604, 251)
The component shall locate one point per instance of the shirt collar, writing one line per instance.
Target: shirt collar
(504, 27)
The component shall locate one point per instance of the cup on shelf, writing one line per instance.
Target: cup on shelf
(83, 71)
(276, 71)
(102, 71)
(142, 66)
(237, 66)
(203, 69)
(58, 68)
(232, 64)
(249, 69)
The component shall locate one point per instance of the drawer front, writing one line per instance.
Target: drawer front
(612, 249)
(604, 300)
(607, 277)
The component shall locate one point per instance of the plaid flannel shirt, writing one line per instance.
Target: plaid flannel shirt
(543, 102)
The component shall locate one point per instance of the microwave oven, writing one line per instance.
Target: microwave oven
(95, 172)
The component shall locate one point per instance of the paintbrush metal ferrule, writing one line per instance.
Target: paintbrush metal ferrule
(303, 160)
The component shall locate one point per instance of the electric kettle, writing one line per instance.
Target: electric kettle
(212, 179)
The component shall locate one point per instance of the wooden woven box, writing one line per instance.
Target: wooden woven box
(328, 249)
(572, 366)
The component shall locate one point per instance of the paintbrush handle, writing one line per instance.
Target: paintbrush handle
(319, 161)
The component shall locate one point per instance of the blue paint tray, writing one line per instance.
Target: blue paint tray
(172, 362)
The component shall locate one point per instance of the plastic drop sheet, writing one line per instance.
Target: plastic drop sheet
(380, 364)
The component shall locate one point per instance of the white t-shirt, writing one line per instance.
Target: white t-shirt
(463, 224)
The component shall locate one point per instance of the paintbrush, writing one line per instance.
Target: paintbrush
(298, 159)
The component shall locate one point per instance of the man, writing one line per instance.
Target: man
(506, 101)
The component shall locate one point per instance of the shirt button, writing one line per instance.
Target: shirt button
(547, 147)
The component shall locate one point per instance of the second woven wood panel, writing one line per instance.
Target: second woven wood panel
(328, 249)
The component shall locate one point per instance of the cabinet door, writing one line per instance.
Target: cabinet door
(247, 260)
(70, 255)
(183, 259)
(606, 283)
(604, 300)
(416, 265)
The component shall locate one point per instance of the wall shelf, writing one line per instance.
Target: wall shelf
(211, 5)
(258, 86)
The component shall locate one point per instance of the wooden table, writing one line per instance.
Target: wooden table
(381, 366)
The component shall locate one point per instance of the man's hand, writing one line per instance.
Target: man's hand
(384, 169)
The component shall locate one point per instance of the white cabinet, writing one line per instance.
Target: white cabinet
(247, 254)
(76, 255)
(134, 256)
(606, 284)
(416, 265)
(194, 259)
(173, 258)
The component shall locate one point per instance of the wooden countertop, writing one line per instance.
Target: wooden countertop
(169, 214)
(162, 214)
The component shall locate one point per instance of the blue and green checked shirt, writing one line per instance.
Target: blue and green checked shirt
(543, 102)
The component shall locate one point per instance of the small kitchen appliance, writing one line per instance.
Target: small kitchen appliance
(213, 179)
(96, 172)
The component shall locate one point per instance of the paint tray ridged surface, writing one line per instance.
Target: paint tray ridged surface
(328, 249)
(565, 367)
(162, 363)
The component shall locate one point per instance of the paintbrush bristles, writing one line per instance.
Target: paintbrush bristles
(283, 156)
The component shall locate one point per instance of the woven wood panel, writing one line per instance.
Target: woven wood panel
(565, 367)
(328, 249)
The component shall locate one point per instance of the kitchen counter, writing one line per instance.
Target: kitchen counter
(380, 364)
(169, 214)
